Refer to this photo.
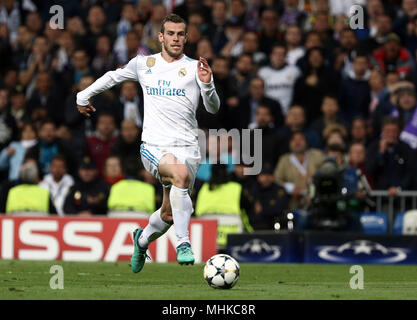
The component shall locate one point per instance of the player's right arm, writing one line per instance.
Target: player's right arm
(108, 80)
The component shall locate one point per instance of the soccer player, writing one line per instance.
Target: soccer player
(172, 84)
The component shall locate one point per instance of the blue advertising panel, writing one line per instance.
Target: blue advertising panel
(323, 247)
(326, 247)
(266, 247)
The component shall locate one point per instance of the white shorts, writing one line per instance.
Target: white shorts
(188, 155)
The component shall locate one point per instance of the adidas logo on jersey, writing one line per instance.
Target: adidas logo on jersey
(149, 71)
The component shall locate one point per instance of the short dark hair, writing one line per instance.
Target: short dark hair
(390, 120)
(48, 121)
(298, 132)
(172, 18)
(60, 157)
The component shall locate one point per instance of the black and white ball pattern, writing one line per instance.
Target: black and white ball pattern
(221, 271)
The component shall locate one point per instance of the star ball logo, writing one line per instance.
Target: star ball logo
(365, 251)
(256, 249)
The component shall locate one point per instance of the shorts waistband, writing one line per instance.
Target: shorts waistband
(171, 145)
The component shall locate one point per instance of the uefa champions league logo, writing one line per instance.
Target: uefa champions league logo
(256, 249)
(364, 251)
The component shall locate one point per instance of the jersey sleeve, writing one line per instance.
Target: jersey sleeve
(211, 100)
(108, 80)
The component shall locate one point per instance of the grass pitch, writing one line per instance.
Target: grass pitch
(101, 280)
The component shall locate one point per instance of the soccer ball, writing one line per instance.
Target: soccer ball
(221, 271)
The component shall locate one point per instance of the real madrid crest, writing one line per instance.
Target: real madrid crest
(182, 72)
(150, 62)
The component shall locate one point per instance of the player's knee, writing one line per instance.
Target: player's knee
(181, 177)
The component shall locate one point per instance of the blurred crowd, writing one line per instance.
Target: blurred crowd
(293, 68)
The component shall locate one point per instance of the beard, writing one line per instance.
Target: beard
(170, 53)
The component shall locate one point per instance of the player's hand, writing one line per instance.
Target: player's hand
(85, 110)
(204, 70)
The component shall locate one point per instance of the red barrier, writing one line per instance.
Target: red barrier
(94, 239)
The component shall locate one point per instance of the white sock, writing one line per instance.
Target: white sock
(155, 228)
(182, 208)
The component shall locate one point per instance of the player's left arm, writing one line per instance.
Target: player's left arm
(205, 81)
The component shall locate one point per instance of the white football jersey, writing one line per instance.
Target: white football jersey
(171, 93)
(279, 84)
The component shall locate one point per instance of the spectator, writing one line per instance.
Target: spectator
(18, 108)
(12, 156)
(411, 38)
(271, 201)
(127, 145)
(335, 133)
(217, 27)
(39, 60)
(269, 33)
(242, 75)
(113, 170)
(244, 113)
(357, 159)
(27, 196)
(130, 50)
(34, 22)
(345, 55)
(374, 9)
(8, 127)
(406, 112)
(379, 91)
(104, 60)
(296, 168)
(99, 145)
(153, 27)
(79, 67)
(390, 160)
(293, 38)
(223, 199)
(130, 104)
(11, 79)
(48, 147)
(188, 6)
(47, 97)
(205, 49)
(330, 110)
(392, 57)
(316, 81)
(383, 29)
(130, 196)
(88, 196)
(296, 121)
(22, 47)
(249, 45)
(272, 142)
(127, 18)
(11, 14)
(96, 27)
(354, 92)
(64, 52)
(290, 14)
(279, 78)
(82, 127)
(58, 182)
(359, 132)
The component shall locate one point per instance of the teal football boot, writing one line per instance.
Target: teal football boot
(185, 254)
(139, 255)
